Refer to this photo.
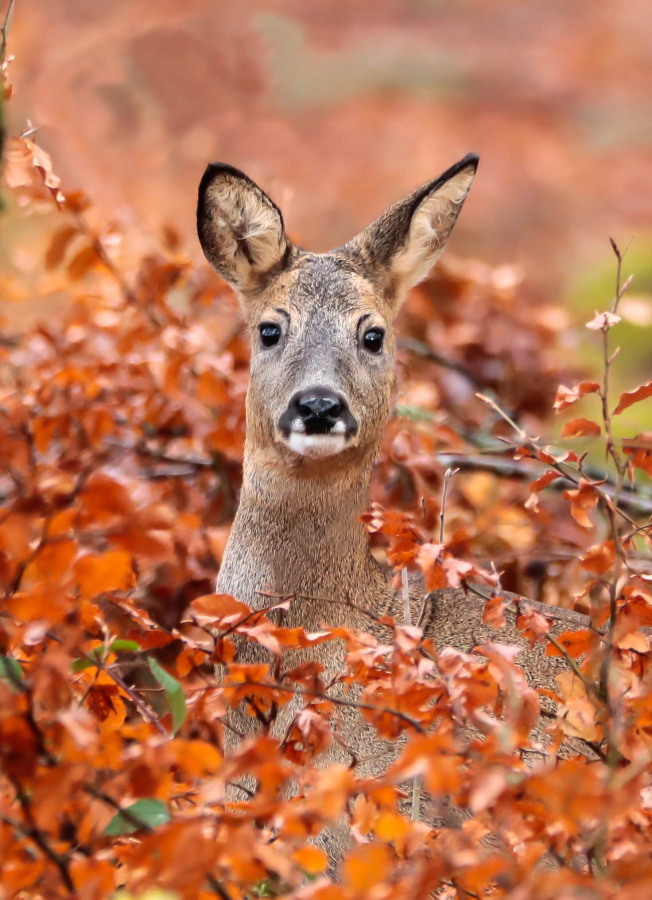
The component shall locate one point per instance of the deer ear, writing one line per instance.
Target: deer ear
(240, 229)
(398, 250)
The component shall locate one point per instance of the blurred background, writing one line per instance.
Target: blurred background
(339, 108)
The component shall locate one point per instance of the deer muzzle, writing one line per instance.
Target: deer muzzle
(317, 422)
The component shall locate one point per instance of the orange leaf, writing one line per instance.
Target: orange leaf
(428, 562)
(543, 481)
(582, 500)
(532, 625)
(311, 859)
(59, 243)
(26, 163)
(580, 428)
(566, 396)
(87, 258)
(599, 558)
(631, 397)
(224, 608)
(98, 573)
(366, 866)
(494, 612)
(576, 643)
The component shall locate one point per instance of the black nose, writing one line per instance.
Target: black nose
(319, 410)
(312, 405)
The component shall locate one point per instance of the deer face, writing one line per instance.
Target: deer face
(321, 324)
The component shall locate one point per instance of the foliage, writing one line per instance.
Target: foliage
(120, 449)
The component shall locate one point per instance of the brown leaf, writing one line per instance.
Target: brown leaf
(58, 245)
(26, 163)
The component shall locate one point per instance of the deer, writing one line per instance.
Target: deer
(319, 395)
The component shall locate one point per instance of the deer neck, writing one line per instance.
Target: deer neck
(302, 536)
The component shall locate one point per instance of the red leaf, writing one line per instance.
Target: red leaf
(543, 481)
(580, 428)
(630, 397)
(566, 396)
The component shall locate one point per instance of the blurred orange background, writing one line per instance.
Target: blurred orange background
(338, 108)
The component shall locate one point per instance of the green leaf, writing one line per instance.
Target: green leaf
(173, 693)
(415, 413)
(11, 671)
(97, 654)
(145, 813)
(124, 644)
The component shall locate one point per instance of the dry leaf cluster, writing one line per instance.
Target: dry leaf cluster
(121, 428)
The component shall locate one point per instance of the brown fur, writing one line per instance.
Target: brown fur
(297, 529)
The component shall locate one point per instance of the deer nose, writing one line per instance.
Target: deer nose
(318, 410)
(318, 406)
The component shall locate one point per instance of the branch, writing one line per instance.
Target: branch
(338, 701)
(38, 837)
(523, 469)
(425, 352)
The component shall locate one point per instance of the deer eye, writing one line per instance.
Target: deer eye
(270, 334)
(373, 340)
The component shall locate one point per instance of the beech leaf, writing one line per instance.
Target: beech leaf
(148, 811)
(174, 694)
(630, 397)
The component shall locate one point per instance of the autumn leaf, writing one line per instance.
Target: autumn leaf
(580, 428)
(494, 611)
(26, 163)
(103, 572)
(566, 396)
(543, 481)
(630, 397)
(575, 643)
(310, 859)
(599, 558)
(582, 500)
(428, 560)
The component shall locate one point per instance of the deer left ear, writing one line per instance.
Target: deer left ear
(399, 249)
(240, 228)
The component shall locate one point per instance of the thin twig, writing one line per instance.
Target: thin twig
(448, 475)
(532, 445)
(418, 348)
(142, 707)
(637, 500)
(338, 701)
(38, 837)
(4, 31)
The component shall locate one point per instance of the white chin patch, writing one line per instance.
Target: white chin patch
(316, 445)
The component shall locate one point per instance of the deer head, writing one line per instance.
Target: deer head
(321, 324)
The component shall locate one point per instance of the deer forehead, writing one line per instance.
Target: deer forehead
(322, 288)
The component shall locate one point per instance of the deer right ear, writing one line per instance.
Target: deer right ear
(240, 229)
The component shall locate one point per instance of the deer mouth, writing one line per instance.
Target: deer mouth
(316, 446)
(317, 423)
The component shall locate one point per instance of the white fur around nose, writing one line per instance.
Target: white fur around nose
(316, 446)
